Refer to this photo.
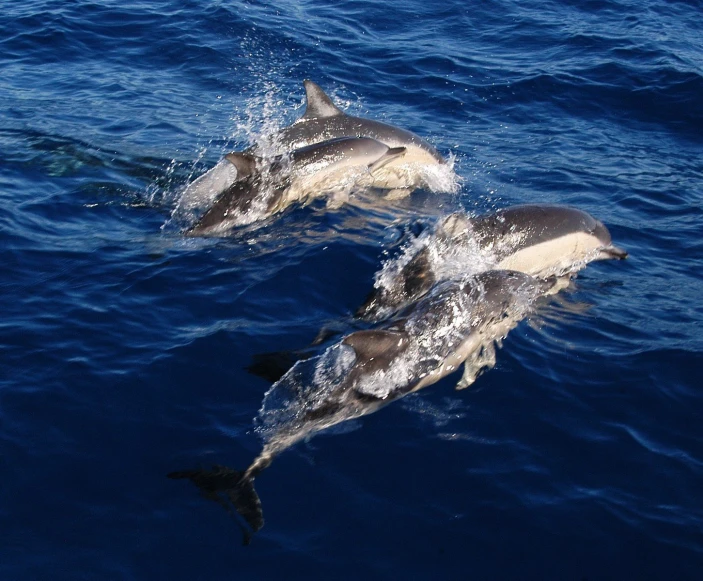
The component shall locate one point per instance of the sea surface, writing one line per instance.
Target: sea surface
(125, 346)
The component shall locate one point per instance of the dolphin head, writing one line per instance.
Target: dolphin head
(544, 239)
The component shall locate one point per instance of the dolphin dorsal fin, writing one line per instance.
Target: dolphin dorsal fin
(372, 344)
(319, 104)
(244, 162)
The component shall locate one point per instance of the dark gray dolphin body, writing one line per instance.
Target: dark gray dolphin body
(540, 240)
(457, 322)
(307, 172)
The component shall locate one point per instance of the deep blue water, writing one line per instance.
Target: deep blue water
(124, 345)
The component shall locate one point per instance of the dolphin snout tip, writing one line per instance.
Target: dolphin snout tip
(613, 251)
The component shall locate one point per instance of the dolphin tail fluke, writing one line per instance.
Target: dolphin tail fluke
(246, 502)
(390, 155)
(224, 486)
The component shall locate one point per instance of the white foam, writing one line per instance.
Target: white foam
(450, 255)
(334, 364)
(442, 178)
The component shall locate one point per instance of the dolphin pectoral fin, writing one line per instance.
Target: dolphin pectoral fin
(373, 303)
(319, 105)
(614, 252)
(237, 487)
(217, 214)
(233, 202)
(387, 157)
(482, 359)
(272, 366)
(418, 276)
(469, 376)
(412, 283)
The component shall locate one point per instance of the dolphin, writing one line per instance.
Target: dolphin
(457, 322)
(261, 189)
(540, 240)
(323, 121)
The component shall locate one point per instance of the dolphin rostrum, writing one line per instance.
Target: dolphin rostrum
(332, 167)
(457, 322)
(540, 240)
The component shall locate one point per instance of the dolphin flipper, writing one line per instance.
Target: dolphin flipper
(272, 366)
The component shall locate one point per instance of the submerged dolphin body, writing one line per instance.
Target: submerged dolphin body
(324, 121)
(330, 167)
(540, 240)
(457, 322)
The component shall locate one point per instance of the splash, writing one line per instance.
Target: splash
(447, 250)
(442, 179)
(304, 388)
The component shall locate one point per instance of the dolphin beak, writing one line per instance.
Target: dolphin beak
(613, 252)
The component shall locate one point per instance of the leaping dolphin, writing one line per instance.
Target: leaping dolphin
(328, 168)
(457, 322)
(321, 122)
(540, 240)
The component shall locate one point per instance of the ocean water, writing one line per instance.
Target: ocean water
(124, 346)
